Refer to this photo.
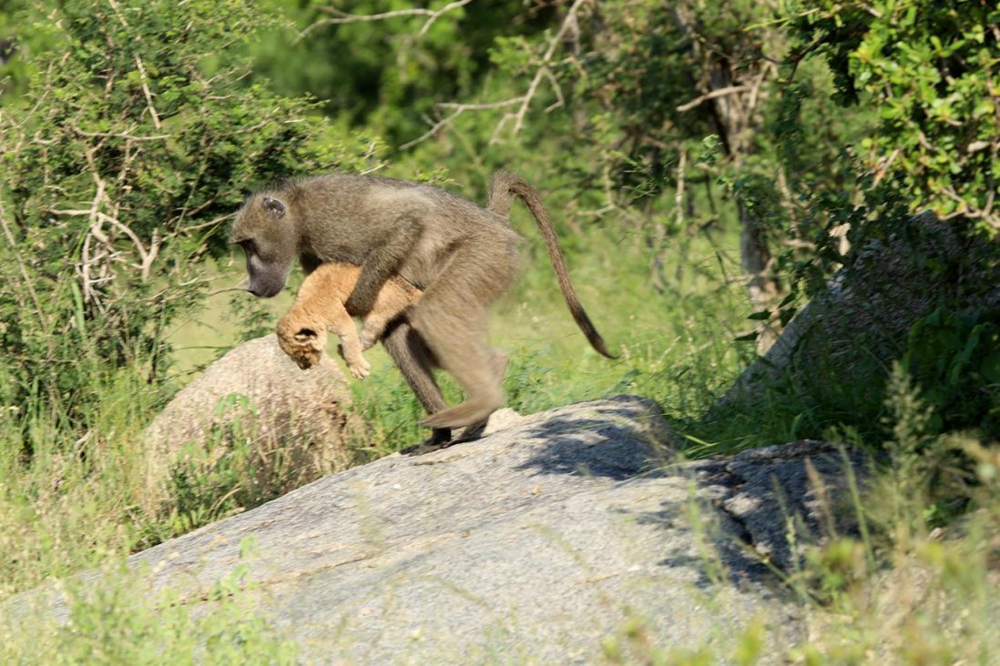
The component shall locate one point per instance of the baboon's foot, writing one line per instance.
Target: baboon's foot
(439, 439)
(471, 433)
(473, 411)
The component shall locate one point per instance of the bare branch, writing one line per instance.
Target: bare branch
(483, 106)
(142, 70)
(679, 195)
(459, 109)
(145, 256)
(433, 130)
(523, 102)
(543, 69)
(557, 89)
(721, 92)
(242, 286)
(433, 15)
(119, 135)
(149, 95)
(213, 222)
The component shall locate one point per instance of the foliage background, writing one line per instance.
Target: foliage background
(710, 165)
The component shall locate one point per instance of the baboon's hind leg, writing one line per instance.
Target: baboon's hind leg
(415, 361)
(475, 373)
(451, 317)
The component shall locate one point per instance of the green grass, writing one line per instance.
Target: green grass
(116, 619)
(69, 503)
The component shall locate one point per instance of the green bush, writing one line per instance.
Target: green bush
(955, 358)
(932, 71)
(124, 158)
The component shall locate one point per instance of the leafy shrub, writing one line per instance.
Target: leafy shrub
(124, 159)
(931, 70)
(955, 357)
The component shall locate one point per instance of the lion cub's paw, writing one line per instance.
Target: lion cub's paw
(358, 365)
(360, 368)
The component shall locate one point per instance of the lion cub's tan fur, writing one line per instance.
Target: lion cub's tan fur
(319, 307)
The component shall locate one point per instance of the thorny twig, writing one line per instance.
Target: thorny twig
(523, 102)
(343, 17)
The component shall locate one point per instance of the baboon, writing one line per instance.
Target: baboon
(319, 307)
(461, 255)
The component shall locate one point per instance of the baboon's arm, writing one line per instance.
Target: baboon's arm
(382, 261)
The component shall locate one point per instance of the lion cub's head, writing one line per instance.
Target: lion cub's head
(303, 339)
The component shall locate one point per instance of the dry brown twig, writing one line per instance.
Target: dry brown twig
(543, 70)
(343, 17)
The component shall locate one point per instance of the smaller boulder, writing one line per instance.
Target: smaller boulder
(256, 398)
(859, 326)
(786, 498)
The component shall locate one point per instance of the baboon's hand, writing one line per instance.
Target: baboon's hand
(368, 338)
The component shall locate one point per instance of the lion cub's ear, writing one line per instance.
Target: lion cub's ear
(305, 335)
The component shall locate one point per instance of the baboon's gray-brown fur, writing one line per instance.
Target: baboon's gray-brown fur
(462, 255)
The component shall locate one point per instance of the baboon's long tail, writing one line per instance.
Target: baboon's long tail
(503, 187)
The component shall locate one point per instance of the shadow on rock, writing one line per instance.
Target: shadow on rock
(616, 440)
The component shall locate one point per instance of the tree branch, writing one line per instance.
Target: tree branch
(24, 274)
(523, 102)
(459, 109)
(543, 69)
(433, 15)
(721, 92)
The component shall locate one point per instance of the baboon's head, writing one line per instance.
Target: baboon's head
(266, 231)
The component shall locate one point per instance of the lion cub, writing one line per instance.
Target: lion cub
(319, 307)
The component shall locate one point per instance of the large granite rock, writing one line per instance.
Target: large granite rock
(859, 327)
(534, 544)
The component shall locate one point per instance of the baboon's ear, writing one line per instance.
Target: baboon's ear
(273, 206)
